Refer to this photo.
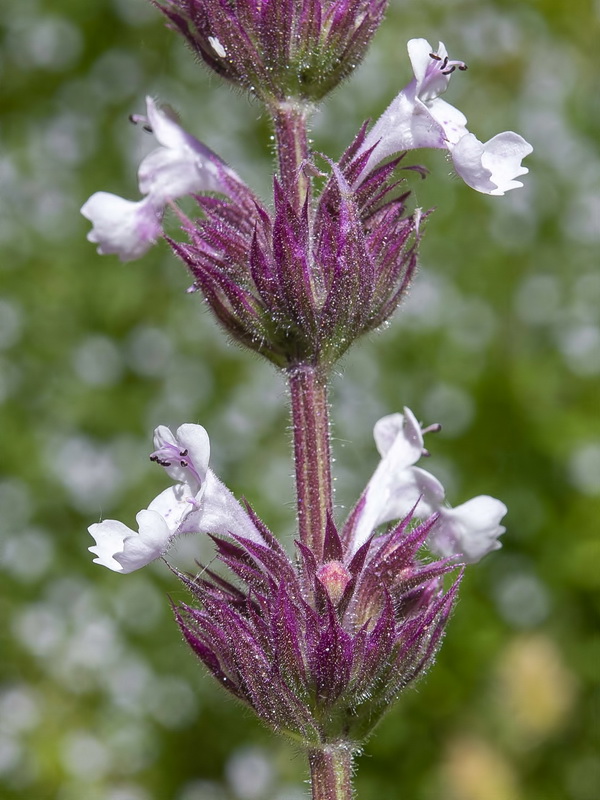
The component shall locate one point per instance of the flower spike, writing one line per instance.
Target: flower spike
(318, 644)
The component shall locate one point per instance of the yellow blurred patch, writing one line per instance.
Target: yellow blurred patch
(536, 690)
(474, 770)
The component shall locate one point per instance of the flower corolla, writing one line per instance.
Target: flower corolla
(418, 117)
(399, 488)
(180, 166)
(197, 503)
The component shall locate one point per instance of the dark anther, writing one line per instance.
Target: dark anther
(462, 67)
(448, 71)
(153, 458)
(136, 119)
(445, 63)
(183, 463)
(435, 56)
(183, 453)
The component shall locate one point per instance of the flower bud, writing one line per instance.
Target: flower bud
(335, 577)
(278, 49)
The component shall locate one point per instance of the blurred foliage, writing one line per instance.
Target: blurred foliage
(499, 340)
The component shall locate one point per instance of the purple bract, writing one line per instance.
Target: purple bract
(300, 286)
(319, 651)
(278, 49)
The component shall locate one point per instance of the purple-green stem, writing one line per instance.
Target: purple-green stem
(312, 455)
(291, 137)
(331, 772)
(330, 765)
(308, 384)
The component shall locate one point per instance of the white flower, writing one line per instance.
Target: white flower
(396, 485)
(122, 227)
(197, 503)
(418, 117)
(471, 529)
(180, 166)
(123, 550)
(398, 488)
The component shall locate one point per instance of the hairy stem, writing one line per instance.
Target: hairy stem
(291, 136)
(312, 456)
(331, 773)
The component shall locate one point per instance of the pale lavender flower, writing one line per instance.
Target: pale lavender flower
(197, 503)
(397, 485)
(180, 166)
(471, 529)
(418, 117)
(122, 227)
(122, 549)
(398, 488)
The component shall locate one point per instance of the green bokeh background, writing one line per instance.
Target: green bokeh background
(499, 340)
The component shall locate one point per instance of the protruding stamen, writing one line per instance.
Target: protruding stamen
(139, 119)
(172, 454)
(160, 461)
(446, 66)
(435, 428)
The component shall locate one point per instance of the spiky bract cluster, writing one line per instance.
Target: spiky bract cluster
(278, 49)
(319, 652)
(301, 286)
